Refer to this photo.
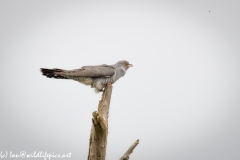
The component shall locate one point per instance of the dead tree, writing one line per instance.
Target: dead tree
(99, 131)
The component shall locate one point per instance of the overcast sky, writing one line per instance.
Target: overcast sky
(181, 98)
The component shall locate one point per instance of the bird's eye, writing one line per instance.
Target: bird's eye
(126, 63)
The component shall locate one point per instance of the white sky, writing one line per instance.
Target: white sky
(181, 98)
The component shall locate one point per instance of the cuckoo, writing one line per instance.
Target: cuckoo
(95, 76)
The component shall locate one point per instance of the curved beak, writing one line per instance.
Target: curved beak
(130, 65)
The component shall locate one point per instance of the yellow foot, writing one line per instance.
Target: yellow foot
(108, 84)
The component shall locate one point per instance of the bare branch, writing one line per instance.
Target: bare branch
(129, 151)
(99, 132)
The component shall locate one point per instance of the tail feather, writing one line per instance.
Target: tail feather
(50, 73)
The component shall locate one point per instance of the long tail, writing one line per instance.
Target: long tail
(50, 73)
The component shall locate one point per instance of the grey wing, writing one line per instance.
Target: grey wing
(90, 71)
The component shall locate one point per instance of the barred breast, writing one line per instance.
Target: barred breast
(100, 83)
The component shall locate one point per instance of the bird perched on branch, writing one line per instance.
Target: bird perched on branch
(96, 76)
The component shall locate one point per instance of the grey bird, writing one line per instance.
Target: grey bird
(96, 76)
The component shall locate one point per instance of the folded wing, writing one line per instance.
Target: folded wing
(89, 71)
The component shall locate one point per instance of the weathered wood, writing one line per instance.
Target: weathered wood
(129, 151)
(99, 131)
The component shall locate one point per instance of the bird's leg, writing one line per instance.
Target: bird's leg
(107, 84)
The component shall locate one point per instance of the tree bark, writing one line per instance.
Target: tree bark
(99, 131)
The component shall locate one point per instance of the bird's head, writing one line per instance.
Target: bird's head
(125, 64)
